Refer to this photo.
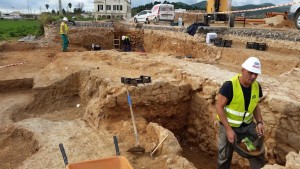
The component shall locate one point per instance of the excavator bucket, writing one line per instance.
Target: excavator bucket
(115, 162)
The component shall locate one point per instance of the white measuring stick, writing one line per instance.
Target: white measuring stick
(158, 145)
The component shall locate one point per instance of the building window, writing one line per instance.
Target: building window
(108, 7)
(100, 8)
(117, 7)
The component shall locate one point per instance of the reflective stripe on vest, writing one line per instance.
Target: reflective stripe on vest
(235, 111)
(61, 28)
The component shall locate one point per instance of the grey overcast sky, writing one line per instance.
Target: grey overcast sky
(35, 6)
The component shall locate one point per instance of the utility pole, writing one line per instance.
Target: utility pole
(60, 7)
(28, 5)
(105, 9)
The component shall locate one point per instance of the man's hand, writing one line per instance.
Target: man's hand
(231, 135)
(260, 129)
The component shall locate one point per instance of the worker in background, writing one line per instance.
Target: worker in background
(72, 21)
(126, 43)
(237, 105)
(64, 34)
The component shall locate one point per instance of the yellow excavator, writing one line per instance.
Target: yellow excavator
(214, 6)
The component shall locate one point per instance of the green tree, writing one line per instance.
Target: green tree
(64, 11)
(80, 5)
(79, 8)
(156, 2)
(70, 6)
(47, 6)
(53, 11)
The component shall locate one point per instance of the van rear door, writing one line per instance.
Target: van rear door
(167, 12)
(171, 13)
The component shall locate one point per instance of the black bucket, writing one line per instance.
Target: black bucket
(242, 151)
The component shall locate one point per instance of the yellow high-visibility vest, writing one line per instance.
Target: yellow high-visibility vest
(63, 24)
(235, 111)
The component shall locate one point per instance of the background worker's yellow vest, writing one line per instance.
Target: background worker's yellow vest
(235, 111)
(61, 28)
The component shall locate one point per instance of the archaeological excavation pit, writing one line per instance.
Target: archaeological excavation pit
(77, 98)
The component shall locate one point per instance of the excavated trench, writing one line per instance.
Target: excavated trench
(174, 106)
(179, 45)
(12, 154)
(180, 98)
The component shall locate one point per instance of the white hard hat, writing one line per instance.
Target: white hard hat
(65, 19)
(123, 37)
(252, 64)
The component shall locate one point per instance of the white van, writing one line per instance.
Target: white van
(294, 14)
(162, 12)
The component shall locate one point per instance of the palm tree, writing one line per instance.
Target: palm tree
(70, 6)
(47, 6)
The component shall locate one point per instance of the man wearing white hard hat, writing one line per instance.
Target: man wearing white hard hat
(126, 43)
(64, 34)
(237, 108)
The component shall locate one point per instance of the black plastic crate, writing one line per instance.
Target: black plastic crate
(218, 42)
(227, 43)
(251, 45)
(261, 46)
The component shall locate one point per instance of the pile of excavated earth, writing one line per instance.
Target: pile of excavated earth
(76, 98)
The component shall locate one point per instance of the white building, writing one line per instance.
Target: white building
(112, 9)
(14, 16)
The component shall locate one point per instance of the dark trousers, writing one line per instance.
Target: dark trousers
(127, 45)
(225, 149)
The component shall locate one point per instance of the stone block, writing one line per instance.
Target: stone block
(200, 100)
(269, 118)
(293, 160)
(195, 82)
(192, 131)
(157, 91)
(110, 101)
(293, 140)
(284, 105)
(210, 90)
(161, 98)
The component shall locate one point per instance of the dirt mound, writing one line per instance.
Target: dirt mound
(285, 24)
(189, 17)
(16, 145)
(17, 46)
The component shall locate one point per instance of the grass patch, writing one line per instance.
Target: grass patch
(17, 28)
